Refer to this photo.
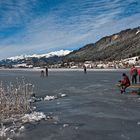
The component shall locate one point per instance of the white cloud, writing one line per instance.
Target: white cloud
(72, 24)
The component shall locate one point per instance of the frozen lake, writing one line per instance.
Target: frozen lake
(92, 110)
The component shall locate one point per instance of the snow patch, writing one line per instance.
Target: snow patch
(33, 117)
(21, 128)
(138, 31)
(65, 125)
(60, 95)
(11, 130)
(17, 127)
(48, 98)
(63, 95)
(115, 37)
(131, 60)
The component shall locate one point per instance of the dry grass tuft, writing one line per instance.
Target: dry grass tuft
(14, 99)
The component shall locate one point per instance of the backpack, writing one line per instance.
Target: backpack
(134, 72)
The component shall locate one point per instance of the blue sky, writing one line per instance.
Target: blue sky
(41, 26)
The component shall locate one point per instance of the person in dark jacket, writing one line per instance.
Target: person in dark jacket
(46, 72)
(124, 83)
(42, 73)
(85, 69)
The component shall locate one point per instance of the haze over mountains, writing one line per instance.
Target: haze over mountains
(124, 44)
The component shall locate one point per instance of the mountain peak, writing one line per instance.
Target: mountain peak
(47, 55)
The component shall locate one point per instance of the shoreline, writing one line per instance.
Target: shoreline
(59, 69)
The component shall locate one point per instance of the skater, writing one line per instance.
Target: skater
(46, 72)
(85, 69)
(42, 73)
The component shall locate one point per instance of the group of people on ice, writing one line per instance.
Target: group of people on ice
(125, 82)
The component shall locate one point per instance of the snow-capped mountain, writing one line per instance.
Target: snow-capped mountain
(35, 59)
(47, 55)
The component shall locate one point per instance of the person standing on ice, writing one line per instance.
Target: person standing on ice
(133, 72)
(46, 72)
(139, 74)
(85, 69)
(42, 73)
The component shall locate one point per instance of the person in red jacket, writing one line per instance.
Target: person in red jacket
(139, 74)
(125, 82)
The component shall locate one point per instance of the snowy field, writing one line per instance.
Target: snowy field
(78, 106)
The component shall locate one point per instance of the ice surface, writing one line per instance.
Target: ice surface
(92, 109)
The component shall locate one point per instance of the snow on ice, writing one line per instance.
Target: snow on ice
(48, 98)
(33, 117)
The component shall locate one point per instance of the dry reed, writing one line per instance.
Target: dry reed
(14, 99)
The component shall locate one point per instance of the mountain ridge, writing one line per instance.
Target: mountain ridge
(35, 59)
(121, 45)
(46, 55)
(118, 46)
